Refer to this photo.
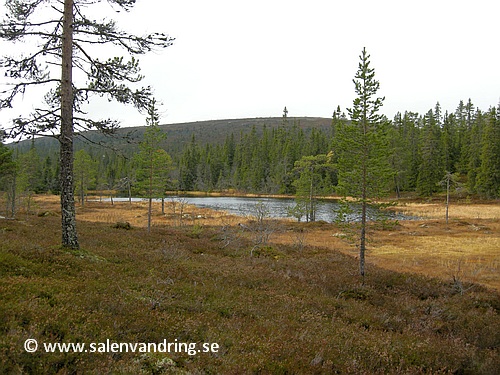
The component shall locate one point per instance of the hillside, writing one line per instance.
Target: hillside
(212, 131)
(249, 155)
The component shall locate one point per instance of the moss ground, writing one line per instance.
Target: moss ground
(296, 305)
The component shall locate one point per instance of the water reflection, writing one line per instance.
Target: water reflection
(327, 210)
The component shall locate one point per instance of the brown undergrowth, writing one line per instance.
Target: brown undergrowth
(295, 306)
(465, 249)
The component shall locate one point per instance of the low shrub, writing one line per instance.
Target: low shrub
(278, 311)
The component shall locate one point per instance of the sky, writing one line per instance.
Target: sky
(245, 59)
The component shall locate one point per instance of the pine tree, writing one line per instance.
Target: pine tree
(64, 38)
(363, 166)
(153, 162)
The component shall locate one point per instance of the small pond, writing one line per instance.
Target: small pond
(327, 210)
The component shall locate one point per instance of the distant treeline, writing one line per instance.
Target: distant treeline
(464, 143)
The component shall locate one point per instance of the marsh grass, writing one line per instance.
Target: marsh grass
(458, 210)
(283, 311)
(426, 246)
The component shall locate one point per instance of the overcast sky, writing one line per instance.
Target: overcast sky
(239, 59)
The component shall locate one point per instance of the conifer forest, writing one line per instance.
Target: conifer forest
(273, 159)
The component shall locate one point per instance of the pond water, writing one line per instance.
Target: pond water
(327, 210)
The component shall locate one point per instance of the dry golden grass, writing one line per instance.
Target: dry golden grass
(465, 250)
(456, 211)
(137, 213)
(468, 248)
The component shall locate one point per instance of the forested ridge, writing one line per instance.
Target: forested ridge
(263, 155)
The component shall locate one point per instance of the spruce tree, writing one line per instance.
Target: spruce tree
(397, 160)
(431, 167)
(8, 174)
(403, 139)
(475, 141)
(449, 142)
(488, 178)
(85, 173)
(188, 168)
(363, 163)
(29, 176)
(465, 115)
(312, 180)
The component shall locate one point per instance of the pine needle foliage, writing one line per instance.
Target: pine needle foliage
(363, 166)
(63, 62)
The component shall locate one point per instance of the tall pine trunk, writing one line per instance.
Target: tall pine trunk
(362, 245)
(362, 239)
(68, 214)
(150, 206)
